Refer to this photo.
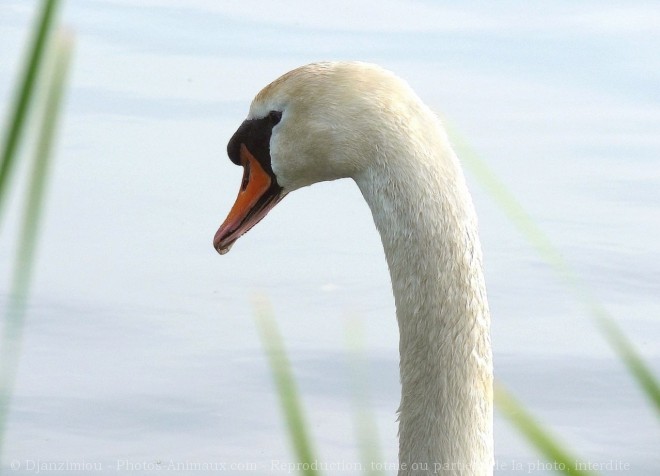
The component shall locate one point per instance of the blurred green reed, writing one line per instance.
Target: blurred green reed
(46, 67)
(25, 94)
(537, 435)
(631, 358)
(638, 370)
(366, 431)
(287, 390)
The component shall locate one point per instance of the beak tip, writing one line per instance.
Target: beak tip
(223, 250)
(220, 245)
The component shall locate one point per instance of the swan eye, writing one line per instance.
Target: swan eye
(275, 117)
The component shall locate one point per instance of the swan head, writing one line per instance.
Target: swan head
(319, 122)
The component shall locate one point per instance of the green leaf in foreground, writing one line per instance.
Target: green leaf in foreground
(12, 331)
(286, 387)
(512, 208)
(41, 162)
(629, 356)
(535, 434)
(528, 228)
(364, 420)
(25, 93)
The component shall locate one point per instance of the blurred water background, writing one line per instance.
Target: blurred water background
(140, 346)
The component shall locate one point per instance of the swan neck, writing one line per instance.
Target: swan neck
(423, 211)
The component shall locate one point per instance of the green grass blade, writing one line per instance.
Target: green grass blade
(525, 224)
(41, 163)
(286, 387)
(513, 209)
(12, 331)
(365, 423)
(629, 356)
(24, 94)
(548, 446)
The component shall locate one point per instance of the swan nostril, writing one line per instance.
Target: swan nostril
(246, 176)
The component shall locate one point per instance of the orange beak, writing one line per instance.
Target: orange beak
(258, 194)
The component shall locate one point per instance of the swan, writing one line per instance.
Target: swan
(332, 120)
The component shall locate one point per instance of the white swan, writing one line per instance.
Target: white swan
(327, 121)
